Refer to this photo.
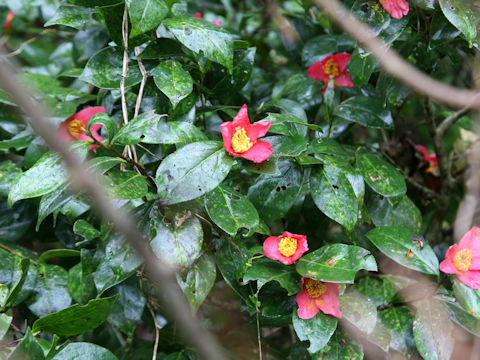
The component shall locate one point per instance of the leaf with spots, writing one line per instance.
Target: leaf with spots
(365, 110)
(230, 210)
(201, 36)
(84, 350)
(398, 244)
(464, 16)
(173, 81)
(173, 132)
(266, 270)
(341, 347)
(318, 330)
(145, 15)
(336, 263)
(192, 171)
(136, 129)
(76, 319)
(398, 320)
(73, 16)
(126, 184)
(468, 298)
(359, 310)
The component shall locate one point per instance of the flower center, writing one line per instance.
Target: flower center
(462, 259)
(287, 246)
(240, 141)
(75, 127)
(331, 68)
(316, 288)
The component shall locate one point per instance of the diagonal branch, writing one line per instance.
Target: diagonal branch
(83, 179)
(393, 64)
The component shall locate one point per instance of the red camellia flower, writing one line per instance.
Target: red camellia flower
(200, 16)
(463, 259)
(74, 127)
(286, 248)
(396, 8)
(333, 66)
(431, 159)
(317, 295)
(8, 20)
(240, 137)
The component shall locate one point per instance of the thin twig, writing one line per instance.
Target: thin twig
(148, 151)
(85, 180)
(142, 84)
(35, 38)
(393, 64)
(258, 335)
(119, 336)
(16, 254)
(450, 120)
(154, 317)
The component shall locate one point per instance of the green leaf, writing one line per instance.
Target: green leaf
(359, 310)
(46, 175)
(467, 297)
(85, 229)
(16, 287)
(230, 210)
(199, 281)
(273, 196)
(398, 320)
(405, 214)
(461, 317)
(336, 263)
(433, 331)
(365, 110)
(334, 196)
(464, 16)
(27, 349)
(18, 142)
(361, 68)
(173, 132)
(8, 175)
(81, 287)
(287, 145)
(265, 270)
(318, 330)
(134, 131)
(51, 202)
(396, 243)
(199, 35)
(84, 351)
(327, 149)
(51, 291)
(76, 319)
(341, 347)
(177, 245)
(105, 120)
(5, 321)
(54, 253)
(73, 16)
(381, 292)
(126, 184)
(102, 164)
(382, 177)
(173, 81)
(145, 15)
(192, 171)
(104, 70)
(319, 47)
(288, 125)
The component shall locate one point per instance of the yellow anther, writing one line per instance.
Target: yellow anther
(316, 288)
(287, 246)
(75, 127)
(240, 141)
(331, 68)
(462, 259)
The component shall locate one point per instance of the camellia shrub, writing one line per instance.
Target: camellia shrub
(312, 205)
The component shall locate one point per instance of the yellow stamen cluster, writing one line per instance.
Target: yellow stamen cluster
(331, 68)
(75, 127)
(316, 288)
(240, 141)
(287, 246)
(463, 259)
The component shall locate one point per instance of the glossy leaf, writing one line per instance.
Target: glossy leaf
(134, 131)
(109, 124)
(365, 110)
(230, 211)
(83, 350)
(336, 263)
(55, 253)
(359, 310)
(317, 330)
(467, 297)
(398, 320)
(464, 16)
(126, 184)
(76, 319)
(265, 270)
(173, 81)
(341, 347)
(396, 243)
(173, 132)
(192, 171)
(145, 15)
(287, 145)
(85, 229)
(73, 16)
(27, 349)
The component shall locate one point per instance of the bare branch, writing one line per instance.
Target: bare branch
(142, 84)
(393, 64)
(450, 120)
(86, 181)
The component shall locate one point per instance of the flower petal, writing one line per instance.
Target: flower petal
(316, 72)
(342, 60)
(344, 80)
(471, 240)
(446, 265)
(330, 304)
(241, 119)
(257, 130)
(270, 249)
(302, 245)
(396, 8)
(198, 15)
(307, 308)
(85, 114)
(259, 152)
(63, 132)
(228, 130)
(470, 278)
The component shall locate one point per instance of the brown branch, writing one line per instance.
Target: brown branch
(142, 84)
(393, 64)
(85, 180)
(35, 38)
(450, 120)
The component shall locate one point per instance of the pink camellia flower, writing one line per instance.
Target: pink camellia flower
(8, 20)
(199, 15)
(317, 295)
(240, 137)
(333, 66)
(463, 259)
(74, 127)
(286, 248)
(396, 8)
(431, 159)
